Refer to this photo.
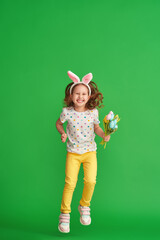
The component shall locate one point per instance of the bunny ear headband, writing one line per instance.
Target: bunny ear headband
(85, 80)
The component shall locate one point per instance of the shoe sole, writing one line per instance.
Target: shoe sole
(62, 231)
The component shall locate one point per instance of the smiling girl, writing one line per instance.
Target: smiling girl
(81, 99)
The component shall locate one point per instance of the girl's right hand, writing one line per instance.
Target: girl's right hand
(63, 137)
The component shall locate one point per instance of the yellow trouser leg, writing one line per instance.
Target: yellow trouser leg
(90, 172)
(73, 162)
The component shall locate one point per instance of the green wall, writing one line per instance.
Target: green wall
(119, 42)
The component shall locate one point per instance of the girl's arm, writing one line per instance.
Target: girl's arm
(100, 132)
(59, 126)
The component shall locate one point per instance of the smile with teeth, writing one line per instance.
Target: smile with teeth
(80, 101)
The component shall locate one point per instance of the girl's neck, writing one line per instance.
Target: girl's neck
(80, 109)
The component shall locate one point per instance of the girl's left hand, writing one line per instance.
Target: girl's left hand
(106, 138)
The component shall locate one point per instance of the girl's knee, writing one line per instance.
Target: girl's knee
(90, 182)
(70, 183)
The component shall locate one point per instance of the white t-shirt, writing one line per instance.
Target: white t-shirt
(80, 129)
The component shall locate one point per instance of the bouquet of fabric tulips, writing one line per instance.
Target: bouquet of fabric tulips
(110, 125)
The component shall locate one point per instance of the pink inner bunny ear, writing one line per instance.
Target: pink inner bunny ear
(73, 76)
(87, 78)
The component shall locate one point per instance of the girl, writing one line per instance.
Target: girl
(81, 99)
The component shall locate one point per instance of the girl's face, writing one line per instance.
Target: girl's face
(80, 95)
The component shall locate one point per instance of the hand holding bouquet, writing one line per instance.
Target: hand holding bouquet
(110, 125)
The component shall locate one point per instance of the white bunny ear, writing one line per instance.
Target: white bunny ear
(87, 78)
(73, 76)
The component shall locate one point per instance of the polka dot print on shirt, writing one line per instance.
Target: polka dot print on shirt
(80, 129)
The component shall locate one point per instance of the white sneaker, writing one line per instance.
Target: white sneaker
(64, 223)
(85, 218)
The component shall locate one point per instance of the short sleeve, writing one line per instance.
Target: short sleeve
(63, 116)
(96, 117)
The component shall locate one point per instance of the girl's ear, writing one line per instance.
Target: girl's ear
(73, 76)
(87, 78)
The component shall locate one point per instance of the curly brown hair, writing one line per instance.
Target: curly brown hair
(95, 100)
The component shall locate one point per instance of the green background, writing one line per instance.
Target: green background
(119, 42)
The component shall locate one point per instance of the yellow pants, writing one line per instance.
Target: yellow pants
(73, 163)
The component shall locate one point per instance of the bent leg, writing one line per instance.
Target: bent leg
(71, 175)
(90, 173)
